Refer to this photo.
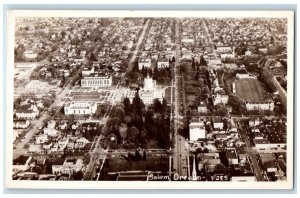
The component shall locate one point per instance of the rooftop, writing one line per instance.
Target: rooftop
(99, 75)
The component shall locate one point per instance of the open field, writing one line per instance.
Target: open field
(251, 90)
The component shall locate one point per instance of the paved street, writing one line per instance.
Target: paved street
(251, 153)
(180, 151)
(208, 36)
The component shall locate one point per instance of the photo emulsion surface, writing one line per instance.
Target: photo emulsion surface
(162, 99)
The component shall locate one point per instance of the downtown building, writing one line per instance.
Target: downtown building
(80, 108)
(96, 80)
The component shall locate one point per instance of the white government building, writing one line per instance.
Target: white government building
(80, 108)
(151, 91)
(96, 80)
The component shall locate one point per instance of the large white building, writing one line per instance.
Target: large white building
(197, 130)
(96, 80)
(267, 105)
(80, 108)
(163, 63)
(151, 91)
(144, 62)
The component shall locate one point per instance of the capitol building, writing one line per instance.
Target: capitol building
(151, 91)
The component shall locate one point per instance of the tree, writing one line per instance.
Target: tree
(157, 106)
(71, 118)
(193, 63)
(127, 105)
(78, 175)
(113, 123)
(221, 110)
(137, 155)
(155, 73)
(47, 102)
(45, 121)
(173, 59)
(123, 131)
(267, 77)
(199, 150)
(184, 67)
(132, 133)
(53, 95)
(164, 105)
(205, 150)
(93, 57)
(119, 113)
(137, 104)
(235, 100)
(144, 155)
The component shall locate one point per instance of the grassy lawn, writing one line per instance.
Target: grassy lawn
(150, 164)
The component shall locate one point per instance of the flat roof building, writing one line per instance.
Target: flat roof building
(96, 80)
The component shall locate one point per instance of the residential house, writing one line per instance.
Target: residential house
(254, 122)
(21, 124)
(217, 122)
(202, 108)
(41, 139)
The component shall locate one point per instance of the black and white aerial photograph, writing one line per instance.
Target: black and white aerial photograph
(160, 98)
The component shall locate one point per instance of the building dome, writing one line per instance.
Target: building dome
(148, 83)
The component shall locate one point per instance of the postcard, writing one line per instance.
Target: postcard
(110, 99)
